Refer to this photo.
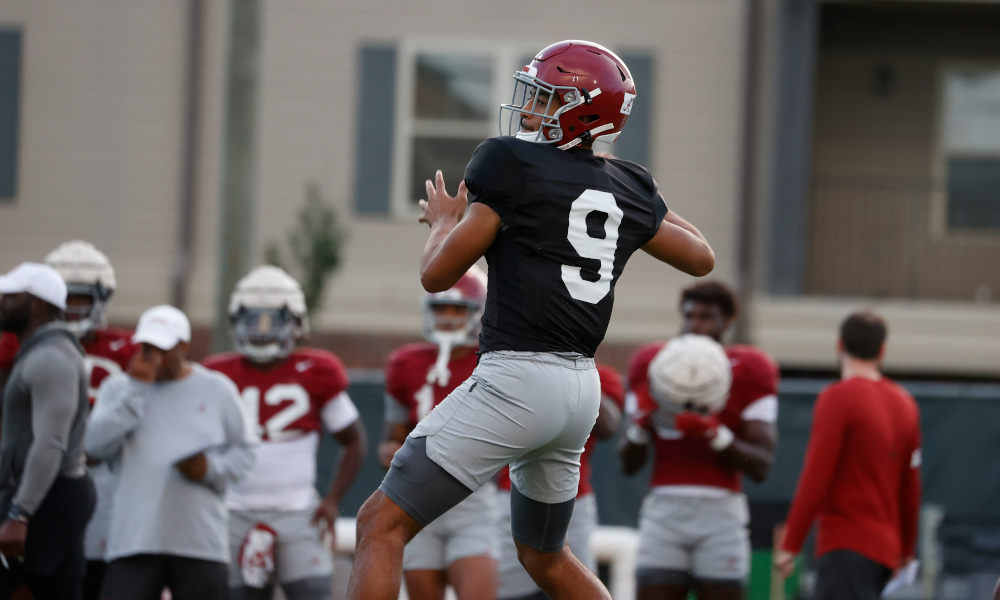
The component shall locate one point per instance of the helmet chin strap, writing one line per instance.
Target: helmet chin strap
(440, 373)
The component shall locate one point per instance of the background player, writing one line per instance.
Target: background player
(460, 547)
(291, 394)
(693, 523)
(557, 229)
(90, 283)
(515, 583)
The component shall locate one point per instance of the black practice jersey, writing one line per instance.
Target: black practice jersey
(571, 220)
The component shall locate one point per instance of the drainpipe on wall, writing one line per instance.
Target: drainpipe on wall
(239, 177)
(746, 226)
(191, 154)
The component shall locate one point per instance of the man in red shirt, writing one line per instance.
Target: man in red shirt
(861, 478)
(693, 525)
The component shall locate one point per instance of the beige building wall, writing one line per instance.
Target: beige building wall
(101, 134)
(308, 128)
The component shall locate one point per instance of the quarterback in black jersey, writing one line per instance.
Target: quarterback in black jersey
(556, 224)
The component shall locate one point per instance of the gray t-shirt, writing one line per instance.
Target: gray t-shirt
(44, 414)
(147, 428)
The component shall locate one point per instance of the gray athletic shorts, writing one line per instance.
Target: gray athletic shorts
(299, 552)
(469, 529)
(531, 410)
(704, 537)
(514, 581)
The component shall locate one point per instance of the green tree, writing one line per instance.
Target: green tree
(316, 241)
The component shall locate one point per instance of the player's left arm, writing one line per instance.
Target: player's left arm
(457, 239)
(341, 418)
(608, 418)
(752, 452)
(682, 246)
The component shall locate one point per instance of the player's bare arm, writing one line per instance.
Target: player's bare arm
(457, 239)
(682, 246)
(393, 436)
(353, 441)
(752, 452)
(608, 419)
(632, 456)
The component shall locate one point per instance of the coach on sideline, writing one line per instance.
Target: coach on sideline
(180, 435)
(45, 491)
(861, 477)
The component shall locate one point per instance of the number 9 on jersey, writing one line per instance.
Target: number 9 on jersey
(602, 249)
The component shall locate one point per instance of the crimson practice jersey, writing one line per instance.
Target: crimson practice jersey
(611, 388)
(108, 352)
(8, 348)
(290, 402)
(285, 401)
(687, 462)
(406, 378)
(571, 220)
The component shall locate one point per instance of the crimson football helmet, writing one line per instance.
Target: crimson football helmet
(594, 86)
(470, 291)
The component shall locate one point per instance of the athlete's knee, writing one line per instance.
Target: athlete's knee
(310, 588)
(537, 562)
(380, 518)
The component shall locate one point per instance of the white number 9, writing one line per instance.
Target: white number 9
(602, 249)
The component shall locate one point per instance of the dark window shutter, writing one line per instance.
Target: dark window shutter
(376, 113)
(633, 144)
(10, 97)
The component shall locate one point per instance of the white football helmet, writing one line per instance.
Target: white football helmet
(268, 313)
(691, 372)
(86, 271)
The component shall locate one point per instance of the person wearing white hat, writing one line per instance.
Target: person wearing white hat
(46, 494)
(180, 435)
(90, 285)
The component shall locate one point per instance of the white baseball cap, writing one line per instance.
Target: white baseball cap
(41, 281)
(162, 326)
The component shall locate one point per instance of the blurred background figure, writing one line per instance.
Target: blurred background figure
(711, 417)
(276, 518)
(861, 478)
(180, 436)
(515, 583)
(45, 493)
(90, 282)
(460, 548)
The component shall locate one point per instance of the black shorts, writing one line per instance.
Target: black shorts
(143, 577)
(847, 575)
(54, 546)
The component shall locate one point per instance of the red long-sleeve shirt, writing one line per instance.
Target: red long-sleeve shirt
(861, 476)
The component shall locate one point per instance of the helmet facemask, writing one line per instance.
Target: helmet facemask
(461, 331)
(527, 87)
(265, 334)
(82, 319)
(553, 129)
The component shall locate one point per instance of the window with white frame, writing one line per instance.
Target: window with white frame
(970, 148)
(448, 98)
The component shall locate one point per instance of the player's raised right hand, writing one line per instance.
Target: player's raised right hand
(146, 364)
(440, 205)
